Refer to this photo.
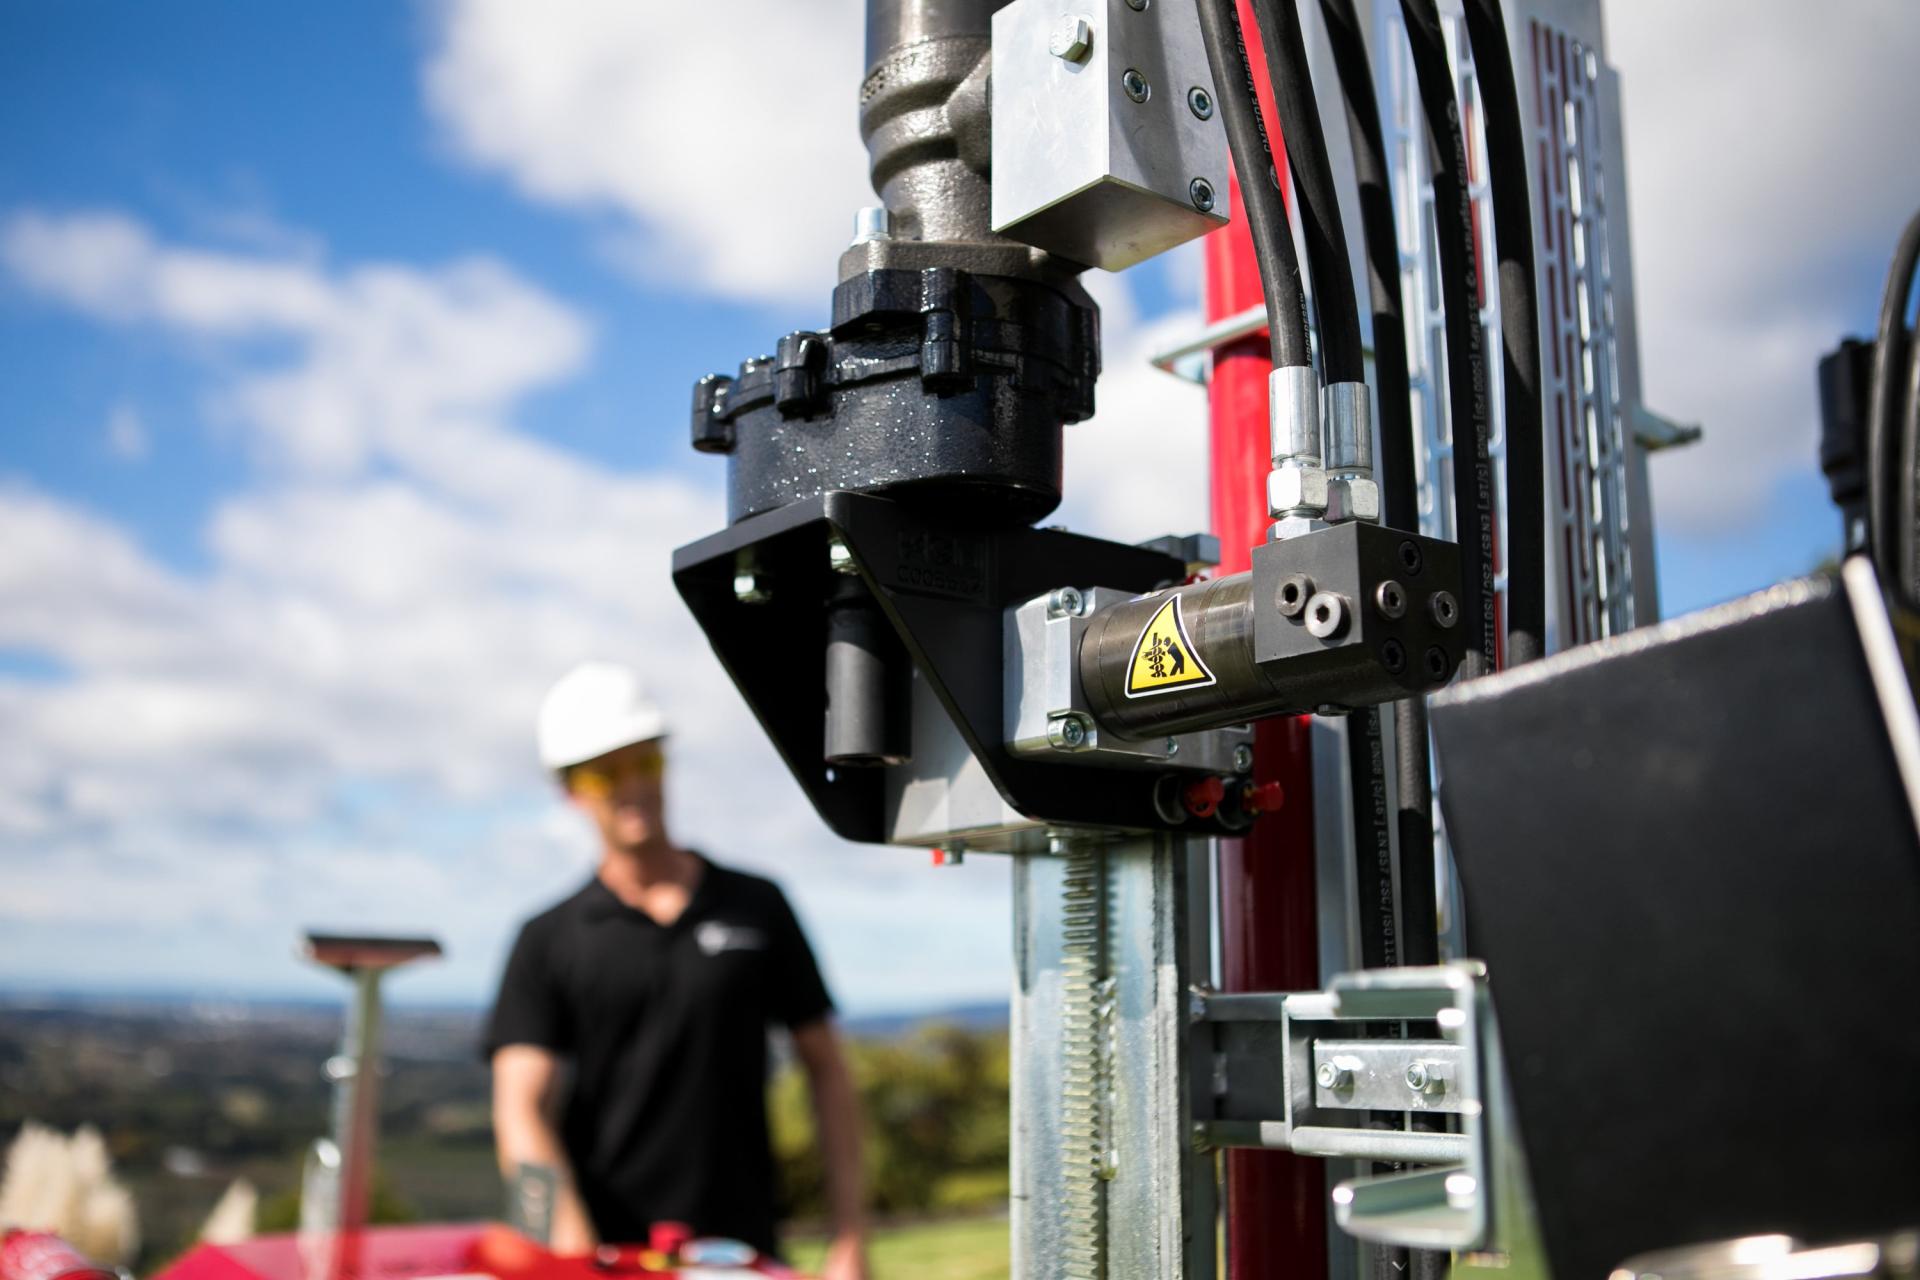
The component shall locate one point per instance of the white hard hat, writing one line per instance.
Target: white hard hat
(595, 708)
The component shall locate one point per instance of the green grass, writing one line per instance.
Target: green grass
(967, 1249)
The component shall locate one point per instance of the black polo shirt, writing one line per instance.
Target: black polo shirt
(666, 1027)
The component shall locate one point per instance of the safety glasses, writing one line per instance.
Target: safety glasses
(603, 779)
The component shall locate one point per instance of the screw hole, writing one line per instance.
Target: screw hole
(1393, 656)
(1438, 665)
(1410, 556)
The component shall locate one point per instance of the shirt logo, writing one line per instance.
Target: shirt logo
(715, 936)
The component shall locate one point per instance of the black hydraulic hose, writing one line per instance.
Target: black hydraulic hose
(1342, 355)
(1889, 458)
(1399, 500)
(1273, 248)
(1519, 332)
(1466, 365)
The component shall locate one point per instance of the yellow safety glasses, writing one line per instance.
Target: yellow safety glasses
(604, 779)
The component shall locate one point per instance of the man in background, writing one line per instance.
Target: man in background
(652, 989)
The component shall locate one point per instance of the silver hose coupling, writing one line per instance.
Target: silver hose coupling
(1352, 492)
(1297, 485)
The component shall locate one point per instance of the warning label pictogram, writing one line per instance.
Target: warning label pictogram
(1164, 658)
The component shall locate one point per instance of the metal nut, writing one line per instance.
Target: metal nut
(1390, 598)
(1200, 191)
(1200, 102)
(1326, 614)
(1295, 488)
(1071, 38)
(1443, 608)
(1136, 85)
(1353, 498)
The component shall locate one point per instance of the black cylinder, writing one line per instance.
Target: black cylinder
(1207, 643)
(865, 721)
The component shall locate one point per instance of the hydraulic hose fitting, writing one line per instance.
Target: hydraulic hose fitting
(1352, 492)
(1297, 485)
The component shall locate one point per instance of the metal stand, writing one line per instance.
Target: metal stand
(1108, 1181)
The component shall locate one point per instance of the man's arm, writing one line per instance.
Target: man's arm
(836, 1114)
(525, 1079)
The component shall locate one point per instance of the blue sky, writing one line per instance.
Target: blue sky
(348, 350)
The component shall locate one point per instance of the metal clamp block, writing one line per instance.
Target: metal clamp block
(1295, 1076)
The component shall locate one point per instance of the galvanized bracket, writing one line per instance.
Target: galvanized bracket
(1299, 1072)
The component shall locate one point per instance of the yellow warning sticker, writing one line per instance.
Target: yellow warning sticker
(1164, 658)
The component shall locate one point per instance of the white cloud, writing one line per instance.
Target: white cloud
(126, 434)
(1764, 175)
(702, 136)
(330, 723)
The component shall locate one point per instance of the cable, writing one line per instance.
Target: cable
(1513, 231)
(1341, 352)
(1273, 248)
(1466, 366)
(1886, 453)
(1399, 501)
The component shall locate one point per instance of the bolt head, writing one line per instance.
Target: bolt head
(1067, 602)
(1418, 1077)
(750, 588)
(1443, 608)
(1173, 746)
(1243, 759)
(840, 558)
(1136, 85)
(1294, 488)
(1200, 191)
(1068, 732)
(1390, 598)
(1071, 39)
(1200, 102)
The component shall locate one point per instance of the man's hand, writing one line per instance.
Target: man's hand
(836, 1115)
(846, 1259)
(524, 1096)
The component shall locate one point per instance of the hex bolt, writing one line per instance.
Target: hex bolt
(1243, 759)
(1200, 102)
(1071, 38)
(1331, 1076)
(1422, 1079)
(1443, 608)
(1200, 191)
(1067, 602)
(1326, 615)
(1136, 85)
(1295, 590)
(750, 588)
(1391, 599)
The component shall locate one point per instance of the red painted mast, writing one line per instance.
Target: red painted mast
(1276, 1201)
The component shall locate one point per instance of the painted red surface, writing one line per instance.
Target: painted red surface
(467, 1251)
(1276, 1201)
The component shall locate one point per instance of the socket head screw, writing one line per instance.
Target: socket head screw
(1243, 759)
(1200, 102)
(1332, 1076)
(1067, 602)
(1391, 599)
(1200, 191)
(1295, 590)
(1136, 85)
(1326, 615)
(1443, 608)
